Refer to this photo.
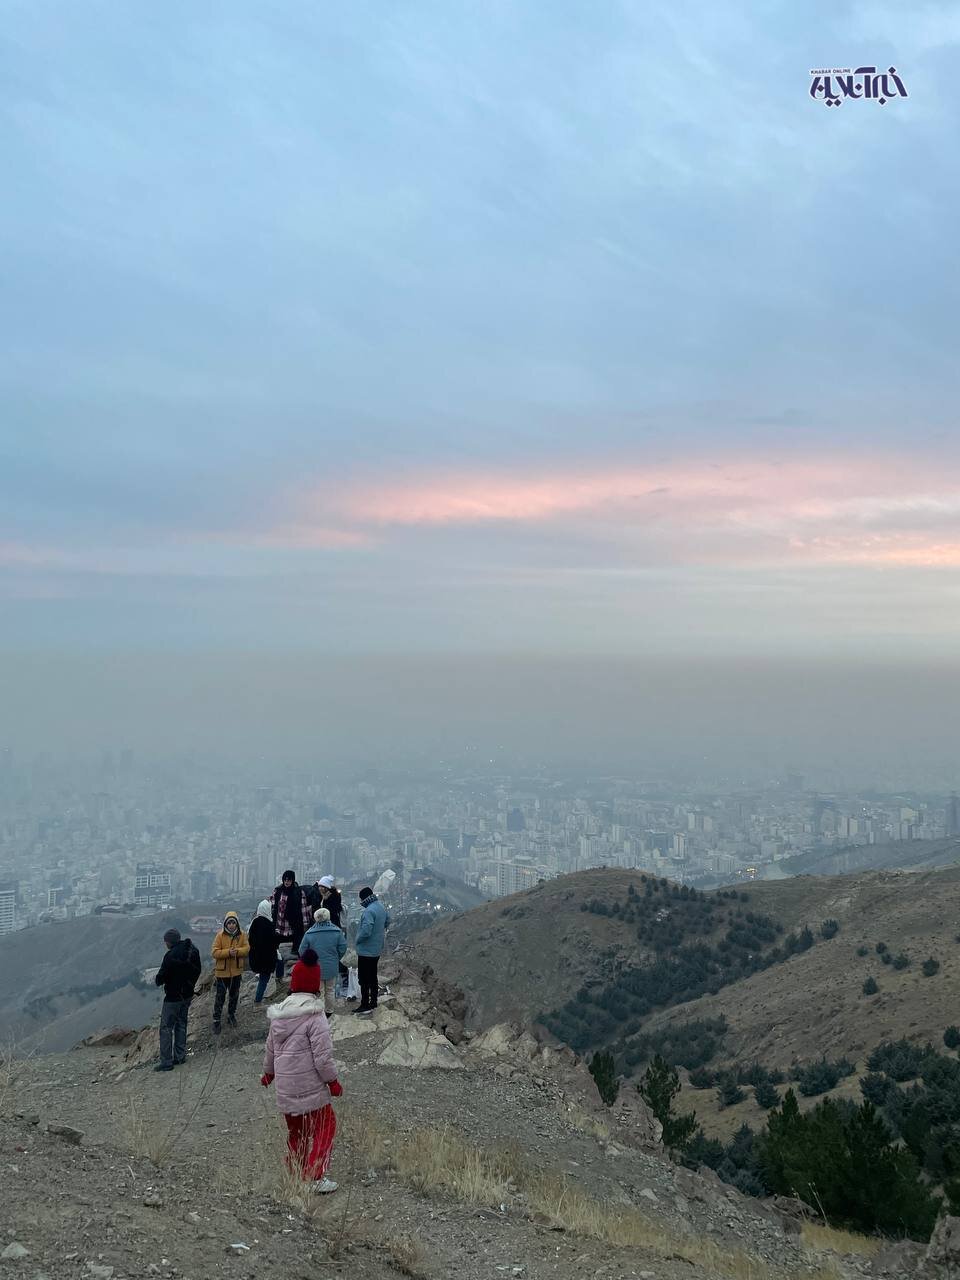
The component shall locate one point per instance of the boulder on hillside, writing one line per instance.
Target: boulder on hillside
(384, 1018)
(496, 1041)
(513, 1046)
(636, 1123)
(942, 1258)
(112, 1036)
(794, 1207)
(898, 1259)
(419, 1048)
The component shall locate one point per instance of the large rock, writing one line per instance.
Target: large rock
(900, 1259)
(793, 1207)
(495, 1042)
(343, 1026)
(635, 1122)
(942, 1258)
(107, 1038)
(419, 1048)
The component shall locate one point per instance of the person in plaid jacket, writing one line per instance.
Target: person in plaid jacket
(292, 915)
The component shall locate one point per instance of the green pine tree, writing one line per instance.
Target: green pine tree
(658, 1087)
(603, 1068)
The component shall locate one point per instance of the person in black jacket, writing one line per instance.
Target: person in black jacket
(179, 971)
(264, 958)
(328, 895)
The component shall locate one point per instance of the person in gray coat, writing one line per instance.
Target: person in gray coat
(330, 944)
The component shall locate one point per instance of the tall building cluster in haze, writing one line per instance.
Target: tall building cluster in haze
(120, 833)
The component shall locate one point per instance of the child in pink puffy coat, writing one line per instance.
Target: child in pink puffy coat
(299, 1057)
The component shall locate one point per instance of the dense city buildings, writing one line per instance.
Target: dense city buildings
(121, 834)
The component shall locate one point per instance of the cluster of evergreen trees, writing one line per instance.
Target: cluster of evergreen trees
(680, 926)
(688, 1044)
(814, 1078)
(888, 1165)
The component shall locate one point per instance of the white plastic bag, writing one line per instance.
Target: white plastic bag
(349, 990)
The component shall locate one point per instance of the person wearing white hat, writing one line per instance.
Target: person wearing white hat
(328, 895)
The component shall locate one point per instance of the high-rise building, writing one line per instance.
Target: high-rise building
(953, 815)
(153, 886)
(515, 875)
(203, 885)
(516, 820)
(241, 875)
(8, 907)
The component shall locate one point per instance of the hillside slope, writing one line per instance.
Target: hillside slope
(523, 956)
(902, 855)
(61, 982)
(814, 1003)
(180, 1175)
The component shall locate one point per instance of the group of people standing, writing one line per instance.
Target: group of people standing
(305, 926)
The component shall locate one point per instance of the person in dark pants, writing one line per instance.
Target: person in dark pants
(264, 959)
(374, 924)
(178, 974)
(230, 951)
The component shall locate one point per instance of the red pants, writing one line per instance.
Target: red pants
(310, 1139)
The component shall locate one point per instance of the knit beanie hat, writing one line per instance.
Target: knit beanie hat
(326, 881)
(365, 893)
(321, 915)
(305, 977)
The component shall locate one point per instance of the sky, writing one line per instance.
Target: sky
(559, 328)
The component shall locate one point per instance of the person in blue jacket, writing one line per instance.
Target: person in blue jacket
(374, 923)
(329, 943)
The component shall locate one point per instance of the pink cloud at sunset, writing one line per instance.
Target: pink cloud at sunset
(885, 510)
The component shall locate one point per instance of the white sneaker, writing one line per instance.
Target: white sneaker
(325, 1186)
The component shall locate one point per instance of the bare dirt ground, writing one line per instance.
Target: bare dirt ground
(477, 1169)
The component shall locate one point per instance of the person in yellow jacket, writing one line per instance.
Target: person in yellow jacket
(230, 951)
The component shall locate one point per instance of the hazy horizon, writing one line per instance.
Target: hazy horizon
(857, 722)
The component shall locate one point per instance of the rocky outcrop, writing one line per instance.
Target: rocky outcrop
(516, 1052)
(108, 1038)
(942, 1258)
(938, 1260)
(899, 1259)
(428, 998)
(417, 1047)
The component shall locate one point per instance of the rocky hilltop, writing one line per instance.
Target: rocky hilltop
(487, 1157)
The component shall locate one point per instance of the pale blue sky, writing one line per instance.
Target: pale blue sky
(338, 327)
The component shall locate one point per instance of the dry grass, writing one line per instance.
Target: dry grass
(259, 1167)
(583, 1122)
(406, 1256)
(439, 1160)
(155, 1132)
(443, 1160)
(13, 1065)
(141, 1133)
(819, 1238)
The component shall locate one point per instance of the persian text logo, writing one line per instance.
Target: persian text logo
(834, 84)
